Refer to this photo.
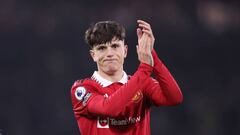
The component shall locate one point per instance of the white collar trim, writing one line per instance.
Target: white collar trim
(104, 82)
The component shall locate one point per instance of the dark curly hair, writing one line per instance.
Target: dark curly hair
(103, 32)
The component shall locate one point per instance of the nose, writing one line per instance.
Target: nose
(110, 52)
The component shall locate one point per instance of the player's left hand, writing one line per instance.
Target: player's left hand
(145, 27)
(145, 43)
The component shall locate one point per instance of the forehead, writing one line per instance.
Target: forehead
(113, 41)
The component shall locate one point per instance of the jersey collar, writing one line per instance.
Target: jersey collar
(104, 82)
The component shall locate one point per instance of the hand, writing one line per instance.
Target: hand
(145, 43)
(145, 28)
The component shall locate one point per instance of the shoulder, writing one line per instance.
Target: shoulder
(82, 92)
(83, 89)
(82, 82)
(86, 83)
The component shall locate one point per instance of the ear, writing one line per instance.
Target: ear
(125, 51)
(92, 53)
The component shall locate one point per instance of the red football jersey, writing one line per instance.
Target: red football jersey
(102, 107)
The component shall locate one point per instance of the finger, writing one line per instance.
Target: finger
(142, 42)
(145, 40)
(151, 38)
(148, 44)
(143, 22)
(137, 48)
(148, 32)
(143, 26)
(139, 33)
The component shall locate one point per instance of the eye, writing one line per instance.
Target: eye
(101, 48)
(115, 45)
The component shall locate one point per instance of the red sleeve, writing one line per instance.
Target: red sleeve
(164, 90)
(81, 94)
(113, 105)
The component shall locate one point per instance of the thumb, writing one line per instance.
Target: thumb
(139, 33)
(137, 48)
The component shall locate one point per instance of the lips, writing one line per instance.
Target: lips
(110, 60)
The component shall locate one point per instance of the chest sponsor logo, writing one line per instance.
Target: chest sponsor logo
(105, 122)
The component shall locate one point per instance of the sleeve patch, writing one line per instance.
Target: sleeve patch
(88, 95)
(80, 93)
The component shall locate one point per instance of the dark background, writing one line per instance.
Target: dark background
(43, 51)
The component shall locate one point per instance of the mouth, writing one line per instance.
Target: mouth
(109, 60)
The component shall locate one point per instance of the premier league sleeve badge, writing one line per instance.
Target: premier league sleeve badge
(80, 93)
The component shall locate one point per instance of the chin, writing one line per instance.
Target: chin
(111, 70)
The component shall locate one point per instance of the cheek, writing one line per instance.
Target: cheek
(99, 59)
(121, 57)
(125, 52)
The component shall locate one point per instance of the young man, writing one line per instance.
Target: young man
(112, 103)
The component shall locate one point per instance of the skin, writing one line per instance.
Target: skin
(110, 56)
(145, 42)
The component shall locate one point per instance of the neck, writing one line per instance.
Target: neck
(113, 77)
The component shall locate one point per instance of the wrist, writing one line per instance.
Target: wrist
(144, 67)
(157, 61)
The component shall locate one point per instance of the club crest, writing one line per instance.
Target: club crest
(137, 97)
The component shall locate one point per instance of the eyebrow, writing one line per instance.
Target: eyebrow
(100, 45)
(104, 45)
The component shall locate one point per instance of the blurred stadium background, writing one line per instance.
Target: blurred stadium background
(43, 52)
